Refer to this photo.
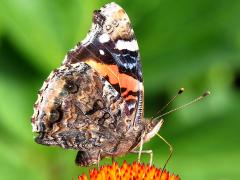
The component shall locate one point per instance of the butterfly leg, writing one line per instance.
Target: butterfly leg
(99, 158)
(140, 148)
(145, 152)
(170, 154)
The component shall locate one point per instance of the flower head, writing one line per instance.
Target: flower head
(132, 171)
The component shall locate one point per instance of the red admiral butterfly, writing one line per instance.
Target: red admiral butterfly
(94, 101)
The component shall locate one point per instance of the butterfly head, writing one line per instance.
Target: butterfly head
(152, 128)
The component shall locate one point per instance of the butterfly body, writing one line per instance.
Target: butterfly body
(93, 102)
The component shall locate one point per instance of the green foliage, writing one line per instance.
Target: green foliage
(195, 44)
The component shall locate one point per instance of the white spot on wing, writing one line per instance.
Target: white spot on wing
(129, 45)
(101, 52)
(104, 38)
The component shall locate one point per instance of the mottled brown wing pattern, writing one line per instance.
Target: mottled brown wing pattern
(78, 109)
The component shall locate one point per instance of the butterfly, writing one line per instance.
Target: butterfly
(94, 101)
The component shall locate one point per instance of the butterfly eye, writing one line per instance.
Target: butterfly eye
(71, 87)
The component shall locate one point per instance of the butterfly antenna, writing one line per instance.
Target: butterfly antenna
(185, 105)
(180, 91)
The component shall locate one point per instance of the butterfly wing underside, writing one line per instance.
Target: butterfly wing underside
(94, 102)
(112, 50)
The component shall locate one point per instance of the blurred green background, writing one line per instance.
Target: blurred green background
(191, 44)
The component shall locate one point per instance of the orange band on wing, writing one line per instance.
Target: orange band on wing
(112, 71)
(105, 70)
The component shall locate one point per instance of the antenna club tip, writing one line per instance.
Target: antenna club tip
(180, 90)
(206, 93)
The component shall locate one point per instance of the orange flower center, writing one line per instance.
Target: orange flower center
(135, 171)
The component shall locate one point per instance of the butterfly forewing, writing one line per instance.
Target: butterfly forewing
(112, 50)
